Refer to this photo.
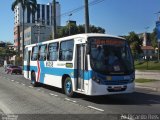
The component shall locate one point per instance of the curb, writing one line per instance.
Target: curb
(147, 87)
(147, 70)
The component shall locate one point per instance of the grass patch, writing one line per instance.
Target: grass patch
(145, 80)
(151, 65)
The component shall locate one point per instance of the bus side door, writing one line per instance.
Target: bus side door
(80, 66)
(81, 61)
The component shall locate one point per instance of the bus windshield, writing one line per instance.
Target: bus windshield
(110, 56)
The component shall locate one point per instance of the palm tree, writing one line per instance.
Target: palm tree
(31, 5)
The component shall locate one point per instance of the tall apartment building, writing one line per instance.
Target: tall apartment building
(43, 13)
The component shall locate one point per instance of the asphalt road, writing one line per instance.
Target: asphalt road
(18, 97)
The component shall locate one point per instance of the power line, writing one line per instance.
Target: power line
(94, 2)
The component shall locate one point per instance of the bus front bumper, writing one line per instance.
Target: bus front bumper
(97, 89)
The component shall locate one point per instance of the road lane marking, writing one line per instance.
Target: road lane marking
(95, 108)
(53, 94)
(23, 84)
(12, 80)
(38, 89)
(30, 86)
(17, 82)
(5, 109)
(155, 101)
(70, 100)
(146, 87)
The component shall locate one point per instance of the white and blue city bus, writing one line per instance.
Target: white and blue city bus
(90, 64)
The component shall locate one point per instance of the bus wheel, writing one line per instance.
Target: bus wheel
(68, 87)
(33, 79)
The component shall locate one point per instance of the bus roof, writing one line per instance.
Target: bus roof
(84, 35)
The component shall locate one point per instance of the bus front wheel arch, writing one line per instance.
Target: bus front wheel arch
(67, 86)
(33, 79)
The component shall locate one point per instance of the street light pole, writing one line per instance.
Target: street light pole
(54, 19)
(86, 16)
(69, 24)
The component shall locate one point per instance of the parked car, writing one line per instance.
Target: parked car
(7, 66)
(14, 69)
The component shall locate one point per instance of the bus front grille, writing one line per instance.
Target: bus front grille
(115, 82)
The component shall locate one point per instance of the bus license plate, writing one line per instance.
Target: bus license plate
(117, 88)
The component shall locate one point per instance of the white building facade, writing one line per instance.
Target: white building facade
(43, 13)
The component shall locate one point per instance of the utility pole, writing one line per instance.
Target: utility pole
(54, 19)
(86, 16)
(69, 23)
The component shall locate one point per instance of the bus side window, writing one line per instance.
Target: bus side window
(35, 53)
(42, 52)
(53, 51)
(66, 50)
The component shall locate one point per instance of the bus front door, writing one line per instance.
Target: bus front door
(80, 66)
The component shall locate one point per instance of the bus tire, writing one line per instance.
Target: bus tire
(68, 88)
(33, 79)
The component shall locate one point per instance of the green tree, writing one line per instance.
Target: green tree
(74, 29)
(31, 5)
(9, 43)
(18, 61)
(6, 53)
(95, 29)
(153, 38)
(81, 29)
(135, 43)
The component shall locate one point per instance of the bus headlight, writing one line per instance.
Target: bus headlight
(132, 80)
(94, 78)
(97, 81)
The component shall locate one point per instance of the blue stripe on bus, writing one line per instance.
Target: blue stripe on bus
(71, 72)
(56, 72)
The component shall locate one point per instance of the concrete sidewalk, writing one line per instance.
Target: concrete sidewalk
(149, 85)
(148, 74)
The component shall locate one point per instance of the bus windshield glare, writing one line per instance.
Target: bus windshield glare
(110, 56)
